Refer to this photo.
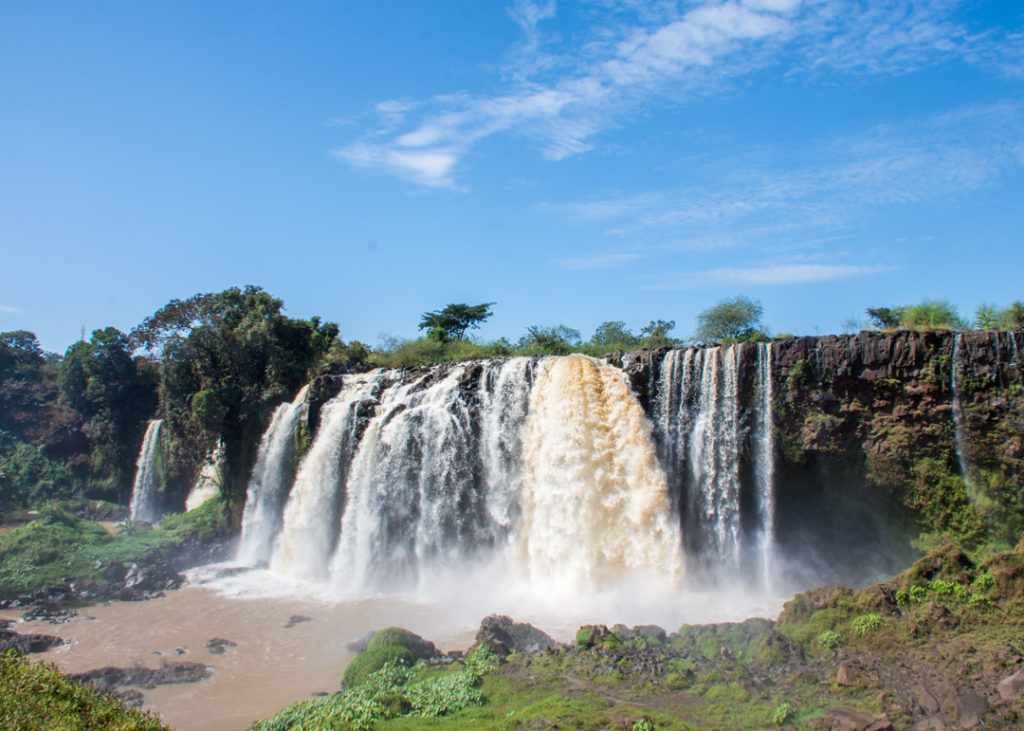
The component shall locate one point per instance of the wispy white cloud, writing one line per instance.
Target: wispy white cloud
(10, 310)
(635, 52)
(598, 261)
(767, 275)
(826, 183)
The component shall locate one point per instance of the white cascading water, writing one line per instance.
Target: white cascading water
(504, 405)
(714, 457)
(959, 421)
(149, 475)
(433, 484)
(764, 452)
(310, 523)
(595, 508)
(271, 479)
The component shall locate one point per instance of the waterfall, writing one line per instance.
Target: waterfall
(413, 497)
(959, 421)
(149, 475)
(271, 478)
(594, 505)
(764, 449)
(714, 457)
(310, 523)
(505, 401)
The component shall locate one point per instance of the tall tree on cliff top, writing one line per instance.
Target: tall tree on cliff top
(453, 321)
(733, 319)
(224, 358)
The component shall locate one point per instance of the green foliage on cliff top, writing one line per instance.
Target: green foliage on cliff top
(36, 697)
(57, 545)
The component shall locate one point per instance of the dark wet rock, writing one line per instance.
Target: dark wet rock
(362, 643)
(109, 678)
(505, 635)
(27, 643)
(970, 709)
(218, 645)
(296, 619)
(1010, 687)
(319, 693)
(145, 582)
(130, 697)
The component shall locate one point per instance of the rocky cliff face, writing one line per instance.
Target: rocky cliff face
(867, 433)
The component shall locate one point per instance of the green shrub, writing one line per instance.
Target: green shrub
(866, 623)
(36, 697)
(396, 636)
(782, 713)
(372, 660)
(829, 640)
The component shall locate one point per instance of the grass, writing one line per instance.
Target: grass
(58, 546)
(36, 697)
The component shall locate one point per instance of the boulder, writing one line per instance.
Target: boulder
(218, 645)
(27, 643)
(928, 702)
(504, 635)
(970, 709)
(845, 674)
(843, 719)
(296, 619)
(1010, 687)
(362, 643)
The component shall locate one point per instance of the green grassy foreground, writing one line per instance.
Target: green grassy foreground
(949, 626)
(36, 697)
(58, 546)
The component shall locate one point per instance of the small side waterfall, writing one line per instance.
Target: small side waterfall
(149, 475)
(271, 479)
(764, 449)
(959, 365)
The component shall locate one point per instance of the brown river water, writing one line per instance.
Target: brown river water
(271, 666)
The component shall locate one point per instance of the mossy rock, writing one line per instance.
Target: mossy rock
(374, 659)
(420, 648)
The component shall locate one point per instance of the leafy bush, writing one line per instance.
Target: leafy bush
(866, 623)
(372, 660)
(36, 697)
(782, 713)
(829, 640)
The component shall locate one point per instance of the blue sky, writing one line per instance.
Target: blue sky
(574, 162)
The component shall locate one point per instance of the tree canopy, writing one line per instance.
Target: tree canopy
(453, 321)
(738, 318)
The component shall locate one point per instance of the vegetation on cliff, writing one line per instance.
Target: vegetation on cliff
(36, 697)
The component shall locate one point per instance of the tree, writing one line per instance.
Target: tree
(557, 340)
(655, 333)
(931, 315)
(733, 319)
(114, 394)
(885, 317)
(452, 322)
(1013, 316)
(613, 335)
(987, 317)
